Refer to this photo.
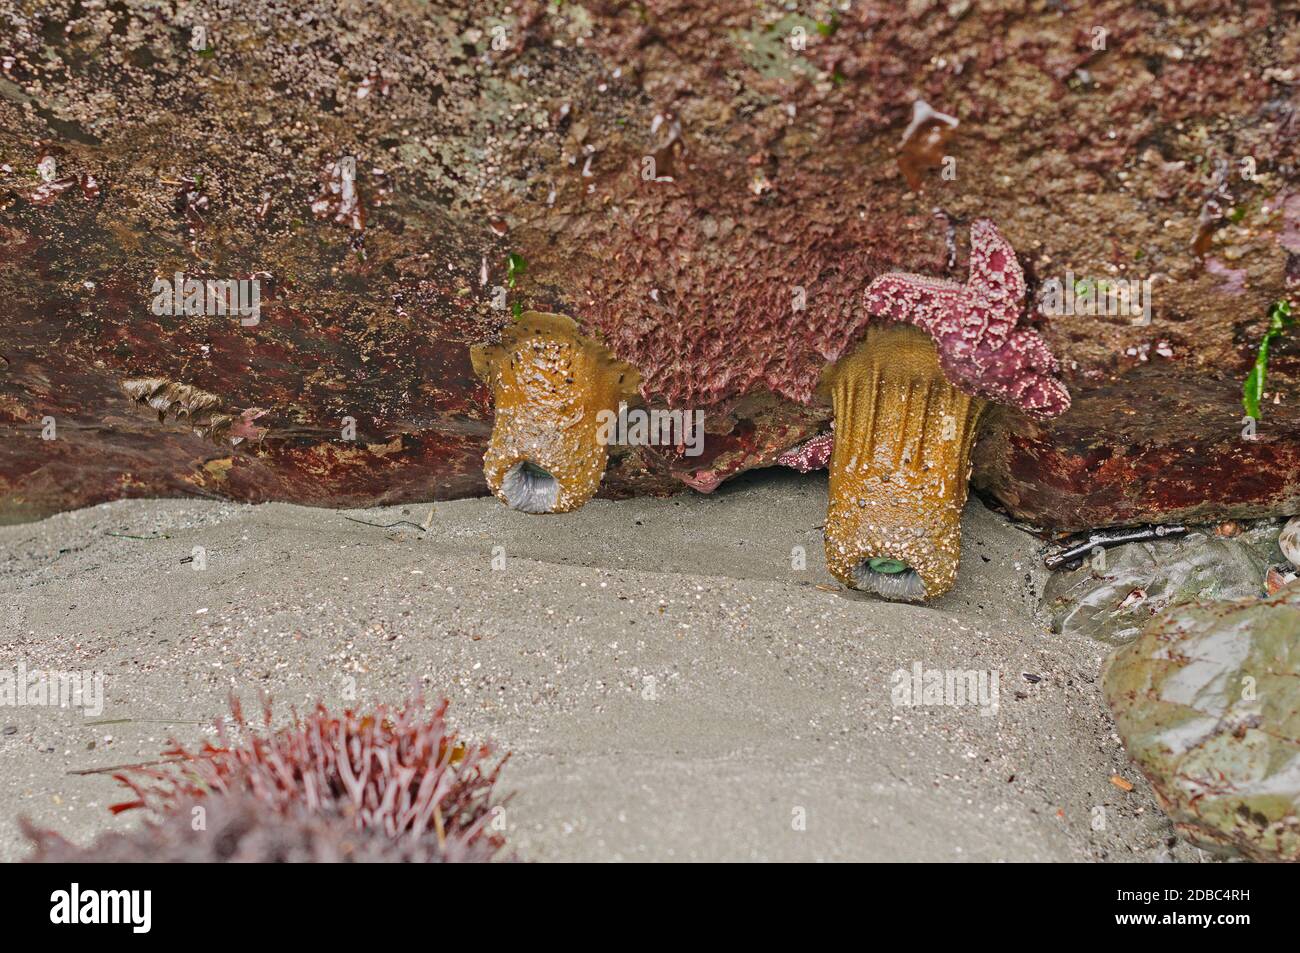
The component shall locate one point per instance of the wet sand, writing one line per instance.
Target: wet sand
(670, 687)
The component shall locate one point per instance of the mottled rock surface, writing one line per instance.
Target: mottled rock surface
(1113, 597)
(730, 275)
(1207, 701)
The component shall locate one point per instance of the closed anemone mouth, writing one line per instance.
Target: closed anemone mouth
(889, 578)
(887, 566)
(530, 489)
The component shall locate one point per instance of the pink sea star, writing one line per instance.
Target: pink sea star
(813, 454)
(974, 326)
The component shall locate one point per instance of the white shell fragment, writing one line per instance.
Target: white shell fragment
(1290, 540)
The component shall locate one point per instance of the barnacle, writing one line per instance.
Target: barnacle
(203, 410)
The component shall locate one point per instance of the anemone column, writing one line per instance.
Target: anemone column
(907, 406)
(899, 467)
(549, 384)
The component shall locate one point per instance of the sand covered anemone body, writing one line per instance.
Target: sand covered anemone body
(549, 386)
(908, 401)
(899, 466)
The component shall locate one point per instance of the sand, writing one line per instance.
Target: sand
(670, 687)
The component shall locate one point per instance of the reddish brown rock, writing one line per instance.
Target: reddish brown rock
(730, 275)
(1154, 445)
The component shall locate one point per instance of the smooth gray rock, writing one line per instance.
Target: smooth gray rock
(1207, 701)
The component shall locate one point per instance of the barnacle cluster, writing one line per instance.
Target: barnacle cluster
(203, 410)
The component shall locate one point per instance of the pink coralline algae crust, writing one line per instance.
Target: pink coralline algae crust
(974, 326)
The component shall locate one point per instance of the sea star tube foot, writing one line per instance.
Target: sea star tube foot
(549, 385)
(899, 466)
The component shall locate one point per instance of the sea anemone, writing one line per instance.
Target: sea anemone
(907, 404)
(392, 784)
(549, 385)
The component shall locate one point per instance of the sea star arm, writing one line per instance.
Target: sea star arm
(812, 454)
(996, 284)
(931, 304)
(974, 326)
